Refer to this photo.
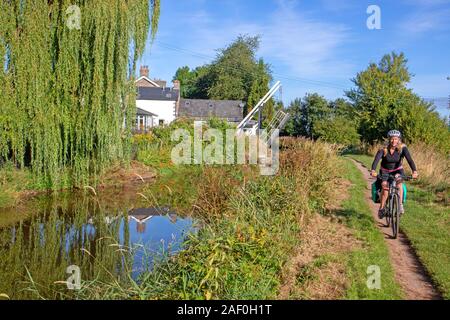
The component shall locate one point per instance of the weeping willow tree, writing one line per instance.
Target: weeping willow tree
(67, 95)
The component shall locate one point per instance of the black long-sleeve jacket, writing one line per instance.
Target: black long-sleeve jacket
(393, 161)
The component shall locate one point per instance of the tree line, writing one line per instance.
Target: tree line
(379, 101)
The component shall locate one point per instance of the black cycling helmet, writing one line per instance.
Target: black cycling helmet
(394, 133)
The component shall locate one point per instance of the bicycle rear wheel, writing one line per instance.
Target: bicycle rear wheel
(395, 215)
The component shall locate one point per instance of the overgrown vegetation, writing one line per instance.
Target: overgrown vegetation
(154, 148)
(251, 229)
(12, 182)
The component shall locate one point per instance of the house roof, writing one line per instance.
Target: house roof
(160, 83)
(142, 112)
(231, 110)
(163, 94)
(149, 80)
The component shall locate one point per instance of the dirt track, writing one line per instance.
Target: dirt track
(409, 271)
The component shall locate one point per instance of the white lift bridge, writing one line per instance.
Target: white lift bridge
(252, 127)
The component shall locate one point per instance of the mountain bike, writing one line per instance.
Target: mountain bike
(392, 212)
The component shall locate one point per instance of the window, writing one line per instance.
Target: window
(143, 122)
(140, 122)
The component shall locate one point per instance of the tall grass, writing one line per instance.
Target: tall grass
(313, 166)
(434, 166)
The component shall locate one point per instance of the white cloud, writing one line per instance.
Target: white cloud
(427, 16)
(308, 47)
(424, 21)
(296, 43)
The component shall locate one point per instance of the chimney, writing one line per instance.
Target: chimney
(176, 84)
(144, 71)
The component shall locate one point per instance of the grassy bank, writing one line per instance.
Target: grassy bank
(17, 185)
(426, 223)
(12, 183)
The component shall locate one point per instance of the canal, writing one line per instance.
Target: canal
(109, 236)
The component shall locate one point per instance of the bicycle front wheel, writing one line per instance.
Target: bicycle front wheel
(387, 213)
(395, 215)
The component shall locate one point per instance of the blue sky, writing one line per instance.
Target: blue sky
(312, 46)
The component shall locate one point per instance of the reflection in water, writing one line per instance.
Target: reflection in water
(157, 230)
(106, 239)
(142, 215)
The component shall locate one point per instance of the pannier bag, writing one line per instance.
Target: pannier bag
(376, 192)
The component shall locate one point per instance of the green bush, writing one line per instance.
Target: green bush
(337, 130)
(154, 148)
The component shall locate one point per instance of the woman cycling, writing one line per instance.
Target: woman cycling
(391, 162)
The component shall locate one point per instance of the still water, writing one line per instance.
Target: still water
(108, 236)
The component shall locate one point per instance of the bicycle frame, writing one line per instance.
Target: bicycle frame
(393, 203)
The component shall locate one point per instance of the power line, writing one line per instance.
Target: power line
(181, 50)
(287, 77)
(434, 98)
(313, 82)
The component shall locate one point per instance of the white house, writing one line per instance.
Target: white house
(156, 104)
(159, 105)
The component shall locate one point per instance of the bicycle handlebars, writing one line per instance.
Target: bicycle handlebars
(388, 176)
